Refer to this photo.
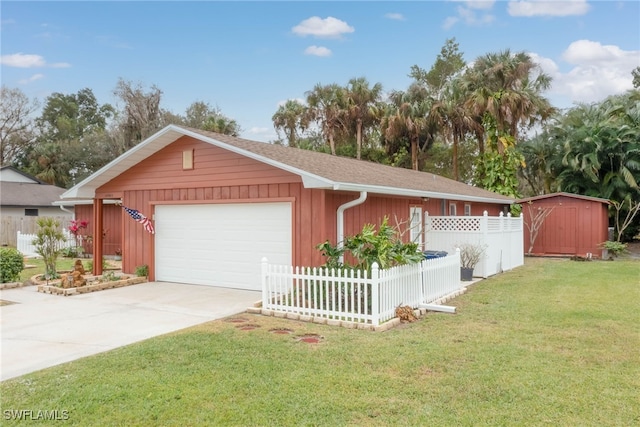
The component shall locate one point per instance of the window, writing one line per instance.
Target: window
(415, 224)
(31, 212)
(467, 209)
(452, 209)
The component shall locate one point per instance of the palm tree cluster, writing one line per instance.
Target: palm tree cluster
(591, 149)
(449, 104)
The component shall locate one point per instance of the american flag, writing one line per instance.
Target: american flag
(141, 219)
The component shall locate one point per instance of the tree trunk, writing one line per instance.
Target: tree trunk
(414, 153)
(332, 144)
(358, 139)
(455, 158)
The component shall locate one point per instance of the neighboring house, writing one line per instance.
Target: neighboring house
(576, 225)
(220, 204)
(24, 198)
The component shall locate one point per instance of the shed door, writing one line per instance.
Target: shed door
(221, 244)
(560, 231)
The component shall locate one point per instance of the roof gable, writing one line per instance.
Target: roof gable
(11, 174)
(317, 170)
(562, 194)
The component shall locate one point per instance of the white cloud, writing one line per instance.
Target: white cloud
(264, 134)
(322, 28)
(450, 22)
(477, 4)
(317, 51)
(597, 71)
(21, 60)
(548, 8)
(395, 16)
(31, 79)
(474, 14)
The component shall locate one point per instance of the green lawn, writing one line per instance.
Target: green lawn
(555, 342)
(36, 266)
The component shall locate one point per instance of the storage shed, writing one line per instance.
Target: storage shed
(575, 225)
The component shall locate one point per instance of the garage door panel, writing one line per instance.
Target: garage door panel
(221, 244)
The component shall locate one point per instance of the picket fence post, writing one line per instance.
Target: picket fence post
(375, 294)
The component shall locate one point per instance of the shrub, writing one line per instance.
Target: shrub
(383, 246)
(614, 248)
(71, 251)
(142, 270)
(48, 244)
(11, 264)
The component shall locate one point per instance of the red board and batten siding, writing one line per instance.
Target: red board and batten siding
(112, 226)
(221, 176)
(576, 226)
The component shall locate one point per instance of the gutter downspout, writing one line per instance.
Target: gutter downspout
(66, 210)
(340, 218)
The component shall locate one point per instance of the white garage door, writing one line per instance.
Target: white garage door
(221, 244)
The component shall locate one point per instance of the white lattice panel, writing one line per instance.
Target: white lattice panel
(451, 223)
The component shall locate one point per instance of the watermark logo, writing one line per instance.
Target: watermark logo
(35, 415)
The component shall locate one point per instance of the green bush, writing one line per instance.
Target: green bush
(142, 270)
(614, 248)
(48, 243)
(11, 264)
(383, 246)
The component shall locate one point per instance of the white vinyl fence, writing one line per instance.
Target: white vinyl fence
(27, 248)
(355, 295)
(502, 238)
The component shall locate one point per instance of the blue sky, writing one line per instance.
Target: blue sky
(248, 57)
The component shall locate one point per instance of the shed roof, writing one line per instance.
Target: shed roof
(562, 194)
(317, 170)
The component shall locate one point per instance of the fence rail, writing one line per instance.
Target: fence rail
(357, 295)
(27, 248)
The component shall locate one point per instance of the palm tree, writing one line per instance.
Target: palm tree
(48, 163)
(602, 149)
(361, 101)
(407, 118)
(508, 87)
(290, 117)
(453, 118)
(222, 124)
(327, 107)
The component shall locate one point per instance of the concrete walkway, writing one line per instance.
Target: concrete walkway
(42, 330)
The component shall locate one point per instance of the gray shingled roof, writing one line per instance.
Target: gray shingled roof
(318, 170)
(351, 171)
(30, 195)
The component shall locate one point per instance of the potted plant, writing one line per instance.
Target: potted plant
(470, 255)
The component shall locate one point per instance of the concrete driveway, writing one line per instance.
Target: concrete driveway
(42, 330)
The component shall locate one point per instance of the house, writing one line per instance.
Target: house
(220, 204)
(24, 198)
(575, 225)
(111, 224)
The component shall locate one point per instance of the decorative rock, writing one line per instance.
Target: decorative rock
(79, 267)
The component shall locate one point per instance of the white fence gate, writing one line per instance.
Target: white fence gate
(501, 236)
(355, 295)
(27, 248)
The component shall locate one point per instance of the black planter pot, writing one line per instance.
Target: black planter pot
(466, 274)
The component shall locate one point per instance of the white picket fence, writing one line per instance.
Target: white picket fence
(501, 236)
(27, 248)
(355, 295)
